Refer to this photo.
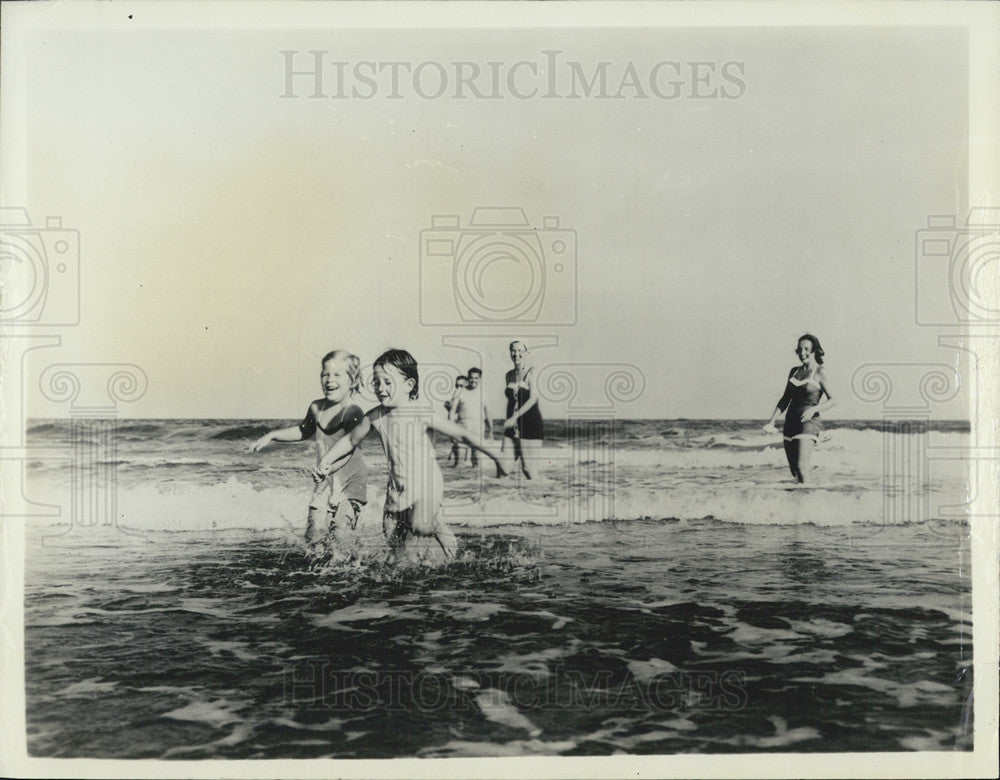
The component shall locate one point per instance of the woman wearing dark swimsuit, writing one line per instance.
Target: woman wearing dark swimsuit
(804, 389)
(523, 428)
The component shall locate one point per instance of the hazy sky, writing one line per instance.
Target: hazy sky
(230, 237)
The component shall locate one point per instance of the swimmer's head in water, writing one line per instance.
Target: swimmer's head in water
(351, 365)
(813, 347)
(403, 365)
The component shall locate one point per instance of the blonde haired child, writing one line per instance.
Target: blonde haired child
(330, 419)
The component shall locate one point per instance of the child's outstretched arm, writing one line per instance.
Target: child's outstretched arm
(304, 430)
(335, 457)
(470, 438)
(293, 433)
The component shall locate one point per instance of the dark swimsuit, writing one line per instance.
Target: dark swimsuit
(799, 395)
(529, 424)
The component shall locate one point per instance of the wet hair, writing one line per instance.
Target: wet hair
(475, 370)
(404, 363)
(817, 349)
(353, 363)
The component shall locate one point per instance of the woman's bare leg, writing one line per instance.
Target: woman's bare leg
(508, 453)
(805, 453)
(531, 450)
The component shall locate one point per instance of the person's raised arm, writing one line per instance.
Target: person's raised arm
(304, 430)
(285, 434)
(467, 437)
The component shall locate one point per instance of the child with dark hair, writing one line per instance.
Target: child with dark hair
(416, 488)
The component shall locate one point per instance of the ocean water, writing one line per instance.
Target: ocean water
(661, 587)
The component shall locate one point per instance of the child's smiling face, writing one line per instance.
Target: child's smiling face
(335, 381)
(391, 387)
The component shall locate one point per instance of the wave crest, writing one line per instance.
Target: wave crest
(237, 505)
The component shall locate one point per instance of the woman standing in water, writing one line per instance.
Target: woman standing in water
(523, 428)
(804, 390)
